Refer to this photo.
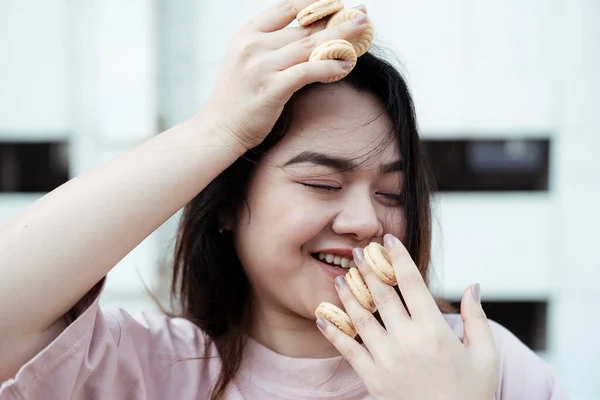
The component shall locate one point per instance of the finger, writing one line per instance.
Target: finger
(370, 330)
(294, 78)
(477, 331)
(356, 355)
(279, 15)
(390, 307)
(299, 51)
(418, 299)
(280, 38)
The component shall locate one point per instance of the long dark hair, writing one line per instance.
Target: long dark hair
(209, 283)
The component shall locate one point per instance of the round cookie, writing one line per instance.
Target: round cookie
(359, 288)
(337, 49)
(363, 41)
(318, 10)
(337, 317)
(375, 256)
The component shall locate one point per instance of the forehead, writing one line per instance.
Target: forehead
(338, 120)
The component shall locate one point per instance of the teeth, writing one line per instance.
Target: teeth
(343, 262)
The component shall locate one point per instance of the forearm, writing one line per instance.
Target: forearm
(62, 244)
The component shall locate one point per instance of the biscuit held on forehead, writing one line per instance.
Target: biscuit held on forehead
(318, 10)
(362, 42)
(336, 49)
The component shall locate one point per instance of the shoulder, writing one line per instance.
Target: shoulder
(523, 373)
(179, 337)
(115, 354)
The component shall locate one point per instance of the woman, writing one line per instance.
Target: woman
(325, 169)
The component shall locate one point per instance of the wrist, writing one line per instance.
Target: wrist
(217, 131)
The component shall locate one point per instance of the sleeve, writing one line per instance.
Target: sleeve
(523, 374)
(105, 355)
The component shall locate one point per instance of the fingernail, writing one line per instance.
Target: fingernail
(362, 8)
(340, 281)
(361, 19)
(346, 65)
(475, 291)
(358, 254)
(321, 324)
(389, 241)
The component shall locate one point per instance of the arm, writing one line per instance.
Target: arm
(61, 245)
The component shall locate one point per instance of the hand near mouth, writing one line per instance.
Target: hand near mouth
(416, 355)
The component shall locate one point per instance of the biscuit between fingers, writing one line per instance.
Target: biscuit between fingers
(337, 49)
(337, 317)
(359, 288)
(362, 42)
(318, 10)
(376, 258)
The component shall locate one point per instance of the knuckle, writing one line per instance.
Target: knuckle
(286, 6)
(411, 279)
(305, 32)
(308, 43)
(302, 75)
(351, 355)
(384, 297)
(249, 49)
(361, 322)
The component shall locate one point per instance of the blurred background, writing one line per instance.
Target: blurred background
(508, 100)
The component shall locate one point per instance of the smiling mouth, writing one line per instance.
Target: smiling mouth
(335, 261)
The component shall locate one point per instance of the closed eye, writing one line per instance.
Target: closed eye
(396, 198)
(321, 187)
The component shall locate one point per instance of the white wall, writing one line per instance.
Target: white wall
(33, 68)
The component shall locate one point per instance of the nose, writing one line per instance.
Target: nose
(358, 217)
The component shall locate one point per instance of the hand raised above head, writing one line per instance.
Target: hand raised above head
(265, 63)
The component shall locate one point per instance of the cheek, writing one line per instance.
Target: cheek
(273, 227)
(395, 222)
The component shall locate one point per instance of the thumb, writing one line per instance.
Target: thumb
(478, 334)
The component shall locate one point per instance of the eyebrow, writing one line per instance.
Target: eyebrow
(338, 163)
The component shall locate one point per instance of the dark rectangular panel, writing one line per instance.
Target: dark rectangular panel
(478, 165)
(527, 320)
(33, 167)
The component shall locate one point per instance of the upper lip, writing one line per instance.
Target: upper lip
(347, 253)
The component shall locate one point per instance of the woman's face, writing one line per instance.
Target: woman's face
(327, 187)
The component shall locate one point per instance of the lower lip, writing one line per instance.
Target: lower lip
(331, 271)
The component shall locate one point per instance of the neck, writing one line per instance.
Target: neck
(288, 334)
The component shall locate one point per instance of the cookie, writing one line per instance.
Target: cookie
(375, 256)
(318, 10)
(337, 49)
(358, 286)
(363, 41)
(337, 317)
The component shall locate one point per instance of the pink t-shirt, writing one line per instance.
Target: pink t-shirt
(114, 355)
